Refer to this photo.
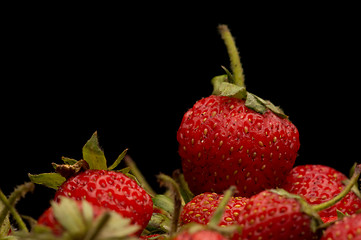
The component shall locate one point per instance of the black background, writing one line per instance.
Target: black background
(131, 73)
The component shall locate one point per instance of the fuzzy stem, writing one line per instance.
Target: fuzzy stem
(217, 216)
(138, 174)
(342, 194)
(13, 211)
(173, 186)
(186, 193)
(236, 65)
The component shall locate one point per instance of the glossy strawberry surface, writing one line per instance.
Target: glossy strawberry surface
(47, 219)
(222, 143)
(268, 215)
(111, 190)
(318, 184)
(347, 228)
(203, 206)
(153, 237)
(200, 235)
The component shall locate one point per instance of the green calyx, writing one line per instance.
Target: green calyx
(232, 84)
(93, 158)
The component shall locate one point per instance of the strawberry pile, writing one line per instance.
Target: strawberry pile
(239, 180)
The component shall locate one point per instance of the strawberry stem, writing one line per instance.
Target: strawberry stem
(217, 216)
(10, 202)
(186, 193)
(236, 65)
(173, 186)
(342, 194)
(138, 174)
(13, 211)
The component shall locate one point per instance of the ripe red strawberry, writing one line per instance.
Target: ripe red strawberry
(202, 207)
(200, 235)
(347, 228)
(111, 190)
(318, 184)
(277, 214)
(269, 215)
(99, 185)
(235, 138)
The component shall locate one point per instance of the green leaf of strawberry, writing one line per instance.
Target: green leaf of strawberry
(118, 160)
(93, 158)
(222, 87)
(93, 154)
(69, 161)
(51, 180)
(258, 104)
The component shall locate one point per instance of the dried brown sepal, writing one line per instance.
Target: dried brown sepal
(67, 170)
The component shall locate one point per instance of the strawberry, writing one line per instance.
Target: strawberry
(202, 207)
(318, 184)
(347, 228)
(269, 215)
(234, 137)
(111, 190)
(213, 226)
(100, 185)
(277, 214)
(200, 235)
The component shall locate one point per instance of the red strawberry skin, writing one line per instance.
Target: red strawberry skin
(153, 237)
(111, 190)
(347, 228)
(200, 235)
(222, 143)
(329, 219)
(268, 215)
(318, 184)
(48, 219)
(202, 207)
